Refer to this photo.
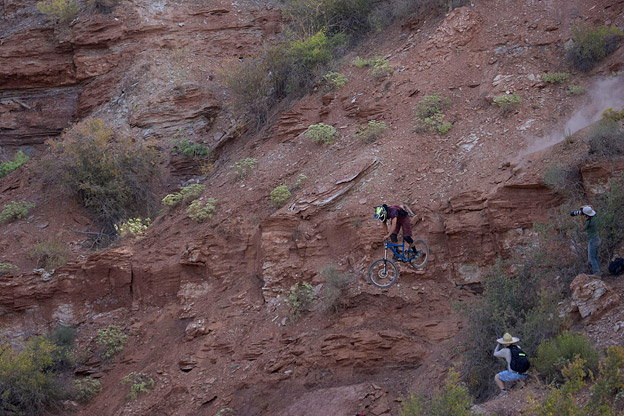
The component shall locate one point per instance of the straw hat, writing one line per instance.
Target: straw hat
(507, 339)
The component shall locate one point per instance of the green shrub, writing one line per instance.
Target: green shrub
(289, 69)
(610, 384)
(453, 400)
(381, 68)
(63, 335)
(300, 179)
(134, 227)
(609, 206)
(507, 102)
(28, 383)
(575, 90)
(555, 77)
(7, 268)
(564, 400)
(370, 132)
(335, 80)
(298, 299)
(110, 173)
(348, 17)
(606, 139)
(335, 283)
(555, 354)
(15, 210)
(49, 255)
(59, 11)
(201, 211)
(184, 147)
(280, 195)
(243, 167)
(139, 383)
(430, 105)
(8, 167)
(429, 116)
(563, 179)
(112, 339)
(611, 115)
(186, 194)
(592, 44)
(321, 133)
(86, 389)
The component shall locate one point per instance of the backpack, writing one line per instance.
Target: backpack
(616, 267)
(519, 361)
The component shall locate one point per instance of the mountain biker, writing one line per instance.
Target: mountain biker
(399, 220)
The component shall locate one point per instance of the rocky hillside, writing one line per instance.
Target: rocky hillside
(203, 304)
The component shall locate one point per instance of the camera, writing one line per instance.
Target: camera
(575, 213)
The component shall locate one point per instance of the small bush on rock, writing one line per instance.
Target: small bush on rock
(59, 11)
(429, 116)
(244, 166)
(134, 227)
(370, 132)
(575, 90)
(184, 147)
(592, 44)
(112, 339)
(555, 354)
(321, 133)
(49, 255)
(565, 180)
(15, 210)
(110, 173)
(299, 298)
(381, 68)
(555, 77)
(186, 194)
(103, 6)
(453, 400)
(200, 210)
(139, 383)
(280, 195)
(507, 102)
(606, 139)
(7, 268)
(335, 80)
(335, 283)
(8, 167)
(86, 389)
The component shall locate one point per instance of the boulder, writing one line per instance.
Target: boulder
(591, 296)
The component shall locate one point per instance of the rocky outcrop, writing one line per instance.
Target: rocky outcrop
(591, 297)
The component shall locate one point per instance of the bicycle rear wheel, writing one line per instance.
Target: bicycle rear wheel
(383, 273)
(418, 259)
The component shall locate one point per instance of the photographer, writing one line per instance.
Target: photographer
(591, 228)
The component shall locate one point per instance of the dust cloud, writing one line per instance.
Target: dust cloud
(601, 94)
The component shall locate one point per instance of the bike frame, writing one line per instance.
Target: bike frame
(394, 248)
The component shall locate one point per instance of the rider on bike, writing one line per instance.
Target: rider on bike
(399, 219)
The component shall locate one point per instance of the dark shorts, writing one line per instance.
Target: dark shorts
(403, 223)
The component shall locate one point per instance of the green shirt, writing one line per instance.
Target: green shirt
(591, 227)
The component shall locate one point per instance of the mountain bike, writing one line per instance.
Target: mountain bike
(383, 273)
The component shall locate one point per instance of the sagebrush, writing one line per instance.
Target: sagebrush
(280, 195)
(200, 210)
(335, 284)
(15, 210)
(59, 11)
(185, 196)
(112, 339)
(139, 383)
(109, 172)
(7, 167)
(299, 298)
(321, 133)
(592, 44)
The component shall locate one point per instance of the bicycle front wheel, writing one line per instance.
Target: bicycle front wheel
(420, 257)
(383, 273)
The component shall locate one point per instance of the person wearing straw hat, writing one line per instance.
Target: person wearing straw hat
(503, 350)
